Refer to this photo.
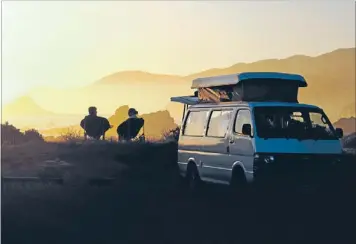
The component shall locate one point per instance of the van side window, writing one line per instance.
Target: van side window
(195, 123)
(243, 117)
(218, 123)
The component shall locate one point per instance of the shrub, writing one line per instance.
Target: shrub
(13, 136)
(10, 134)
(172, 134)
(71, 135)
(33, 135)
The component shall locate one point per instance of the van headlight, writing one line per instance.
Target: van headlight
(261, 162)
(269, 159)
(265, 158)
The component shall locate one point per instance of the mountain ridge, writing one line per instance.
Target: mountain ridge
(347, 124)
(24, 105)
(140, 73)
(330, 77)
(238, 67)
(135, 76)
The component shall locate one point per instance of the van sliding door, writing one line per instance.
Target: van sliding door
(216, 166)
(241, 147)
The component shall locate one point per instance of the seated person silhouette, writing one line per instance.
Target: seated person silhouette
(130, 128)
(95, 126)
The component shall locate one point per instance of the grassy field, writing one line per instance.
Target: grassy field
(146, 202)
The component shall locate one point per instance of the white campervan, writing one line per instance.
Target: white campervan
(245, 127)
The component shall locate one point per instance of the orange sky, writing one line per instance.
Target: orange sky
(69, 44)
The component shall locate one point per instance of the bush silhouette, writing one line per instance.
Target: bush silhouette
(33, 135)
(172, 134)
(13, 136)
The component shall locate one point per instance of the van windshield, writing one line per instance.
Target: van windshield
(293, 122)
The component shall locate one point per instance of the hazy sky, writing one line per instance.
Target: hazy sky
(65, 44)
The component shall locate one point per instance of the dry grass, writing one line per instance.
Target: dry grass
(72, 135)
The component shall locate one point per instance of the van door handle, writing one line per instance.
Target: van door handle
(231, 140)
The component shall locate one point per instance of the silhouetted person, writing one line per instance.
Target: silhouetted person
(130, 128)
(95, 126)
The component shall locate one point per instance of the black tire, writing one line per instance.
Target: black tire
(238, 184)
(192, 179)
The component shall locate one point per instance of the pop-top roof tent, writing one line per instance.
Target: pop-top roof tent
(247, 86)
(234, 79)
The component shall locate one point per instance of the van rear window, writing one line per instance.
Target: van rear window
(195, 123)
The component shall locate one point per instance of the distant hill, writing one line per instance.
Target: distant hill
(25, 113)
(137, 77)
(331, 63)
(23, 106)
(347, 124)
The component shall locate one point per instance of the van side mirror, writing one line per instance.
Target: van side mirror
(247, 129)
(339, 132)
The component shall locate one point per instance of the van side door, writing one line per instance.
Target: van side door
(240, 145)
(190, 139)
(216, 166)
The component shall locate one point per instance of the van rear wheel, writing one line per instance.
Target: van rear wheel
(192, 178)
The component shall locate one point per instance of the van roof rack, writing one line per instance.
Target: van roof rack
(189, 100)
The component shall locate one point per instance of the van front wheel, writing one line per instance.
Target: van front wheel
(238, 183)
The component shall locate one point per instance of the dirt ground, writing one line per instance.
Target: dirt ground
(130, 212)
(145, 205)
